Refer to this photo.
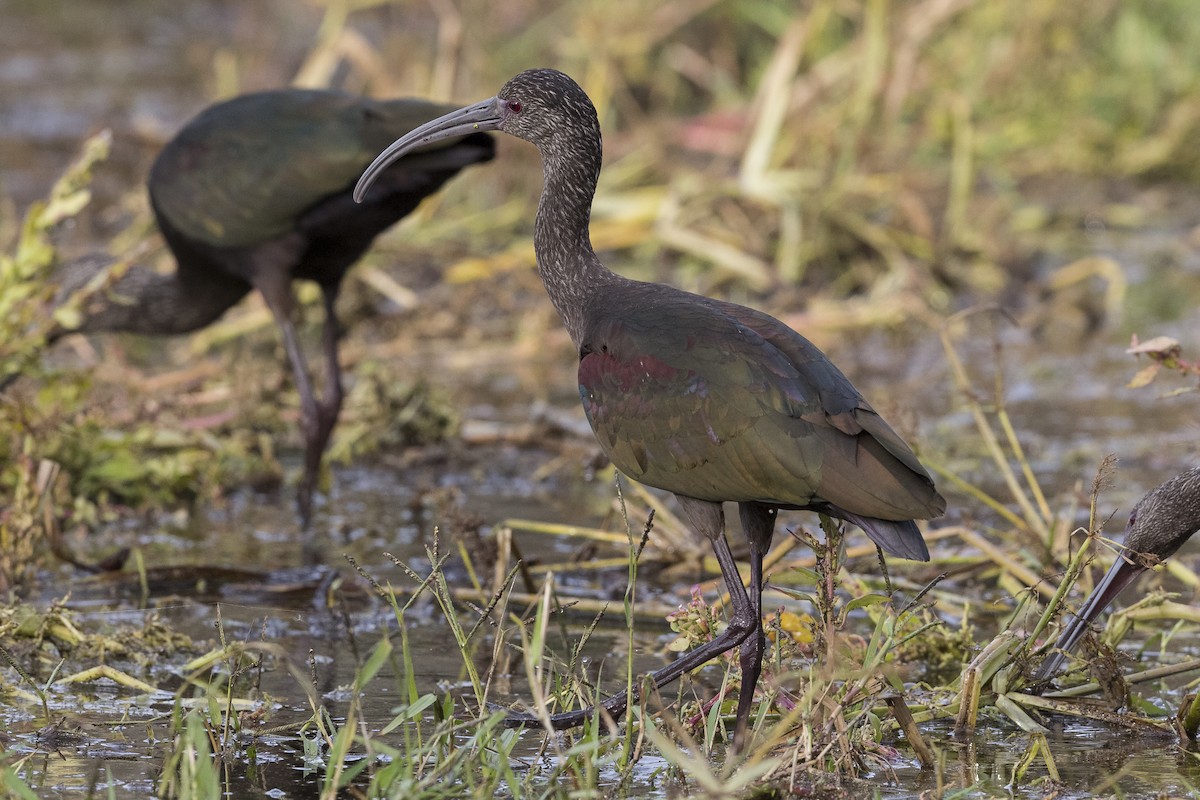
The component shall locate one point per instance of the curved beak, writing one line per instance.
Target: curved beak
(1120, 575)
(481, 116)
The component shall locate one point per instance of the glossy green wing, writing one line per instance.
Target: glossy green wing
(718, 402)
(242, 171)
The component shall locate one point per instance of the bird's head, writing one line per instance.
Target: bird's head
(543, 105)
(1166, 517)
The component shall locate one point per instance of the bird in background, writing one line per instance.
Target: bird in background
(1158, 526)
(711, 401)
(254, 193)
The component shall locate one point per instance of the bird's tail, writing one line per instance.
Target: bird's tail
(902, 538)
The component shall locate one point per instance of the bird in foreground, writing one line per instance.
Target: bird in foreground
(254, 193)
(1158, 526)
(709, 400)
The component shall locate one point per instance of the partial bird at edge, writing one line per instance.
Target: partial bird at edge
(1160, 523)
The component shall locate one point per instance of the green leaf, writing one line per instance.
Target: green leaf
(866, 601)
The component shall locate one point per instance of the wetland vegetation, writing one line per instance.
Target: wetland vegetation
(984, 212)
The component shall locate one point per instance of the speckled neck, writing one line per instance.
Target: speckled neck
(567, 264)
(1167, 516)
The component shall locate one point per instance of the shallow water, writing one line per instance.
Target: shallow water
(69, 68)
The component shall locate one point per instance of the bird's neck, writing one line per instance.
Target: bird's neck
(144, 301)
(567, 265)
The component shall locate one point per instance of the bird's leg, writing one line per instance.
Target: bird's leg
(277, 291)
(330, 406)
(710, 519)
(758, 523)
(331, 403)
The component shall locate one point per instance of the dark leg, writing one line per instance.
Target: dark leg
(277, 291)
(710, 519)
(326, 412)
(332, 402)
(758, 523)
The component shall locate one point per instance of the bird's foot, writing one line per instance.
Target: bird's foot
(612, 707)
(516, 720)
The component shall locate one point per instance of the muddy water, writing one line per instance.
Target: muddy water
(68, 68)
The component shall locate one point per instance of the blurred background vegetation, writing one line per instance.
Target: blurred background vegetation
(848, 166)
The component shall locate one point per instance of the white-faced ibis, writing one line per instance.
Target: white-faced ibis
(255, 192)
(1158, 526)
(711, 401)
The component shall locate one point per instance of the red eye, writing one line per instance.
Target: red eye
(514, 106)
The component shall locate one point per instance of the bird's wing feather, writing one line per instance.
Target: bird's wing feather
(845, 409)
(292, 148)
(718, 402)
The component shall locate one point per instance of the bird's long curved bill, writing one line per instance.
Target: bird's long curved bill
(482, 116)
(1119, 575)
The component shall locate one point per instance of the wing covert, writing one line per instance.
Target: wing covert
(719, 402)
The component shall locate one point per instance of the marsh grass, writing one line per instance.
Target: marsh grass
(814, 718)
(26, 282)
(838, 699)
(996, 683)
(29, 512)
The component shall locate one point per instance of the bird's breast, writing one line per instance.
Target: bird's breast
(599, 366)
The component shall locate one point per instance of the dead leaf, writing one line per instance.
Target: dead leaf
(1143, 377)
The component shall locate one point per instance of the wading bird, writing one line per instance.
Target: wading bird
(1158, 526)
(711, 401)
(254, 193)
